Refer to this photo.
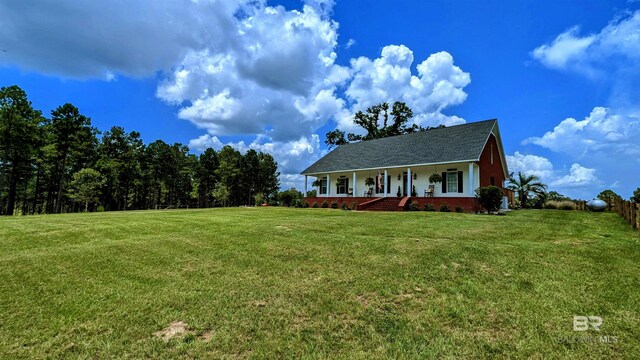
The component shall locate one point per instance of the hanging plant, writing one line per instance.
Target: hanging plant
(369, 181)
(316, 183)
(435, 178)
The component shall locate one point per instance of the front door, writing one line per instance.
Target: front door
(404, 184)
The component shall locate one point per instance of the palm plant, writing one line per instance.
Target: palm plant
(526, 185)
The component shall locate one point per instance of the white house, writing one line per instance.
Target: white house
(465, 156)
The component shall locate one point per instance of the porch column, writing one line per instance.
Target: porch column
(328, 185)
(354, 185)
(409, 182)
(386, 186)
(305, 186)
(471, 189)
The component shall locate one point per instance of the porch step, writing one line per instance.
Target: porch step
(382, 204)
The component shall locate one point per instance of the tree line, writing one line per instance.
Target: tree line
(64, 164)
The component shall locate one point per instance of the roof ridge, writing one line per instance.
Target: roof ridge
(421, 132)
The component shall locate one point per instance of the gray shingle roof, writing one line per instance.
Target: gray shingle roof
(454, 143)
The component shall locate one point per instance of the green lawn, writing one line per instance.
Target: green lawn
(318, 283)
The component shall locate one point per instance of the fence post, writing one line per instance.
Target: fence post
(634, 215)
(638, 216)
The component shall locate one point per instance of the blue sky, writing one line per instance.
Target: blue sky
(561, 77)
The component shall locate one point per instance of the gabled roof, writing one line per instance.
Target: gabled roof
(440, 145)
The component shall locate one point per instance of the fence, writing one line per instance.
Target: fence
(629, 211)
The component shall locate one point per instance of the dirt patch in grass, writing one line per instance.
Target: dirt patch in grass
(175, 329)
(206, 336)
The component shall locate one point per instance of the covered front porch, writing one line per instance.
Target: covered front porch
(457, 180)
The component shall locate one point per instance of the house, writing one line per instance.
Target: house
(466, 157)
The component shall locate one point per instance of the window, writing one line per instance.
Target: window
(343, 184)
(452, 181)
(323, 186)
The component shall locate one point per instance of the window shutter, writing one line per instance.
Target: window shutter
(346, 185)
(444, 182)
(460, 189)
(388, 184)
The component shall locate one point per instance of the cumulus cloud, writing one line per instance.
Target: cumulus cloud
(603, 132)
(280, 72)
(569, 181)
(98, 39)
(617, 44)
(438, 84)
(579, 176)
(530, 165)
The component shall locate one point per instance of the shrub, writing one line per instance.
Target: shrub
(100, 208)
(305, 205)
(459, 209)
(567, 205)
(414, 206)
(345, 206)
(490, 197)
(444, 208)
(334, 204)
(354, 206)
(325, 204)
(429, 207)
(560, 205)
(315, 205)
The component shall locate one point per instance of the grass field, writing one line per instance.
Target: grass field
(318, 283)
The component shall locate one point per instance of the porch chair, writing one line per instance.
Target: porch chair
(429, 192)
(350, 193)
(367, 193)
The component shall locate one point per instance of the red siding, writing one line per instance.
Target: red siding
(487, 169)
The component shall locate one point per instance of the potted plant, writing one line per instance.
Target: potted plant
(399, 193)
(414, 193)
(316, 183)
(435, 178)
(369, 182)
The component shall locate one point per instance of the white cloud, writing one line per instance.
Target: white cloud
(567, 47)
(438, 84)
(576, 180)
(579, 176)
(350, 43)
(279, 77)
(603, 132)
(530, 165)
(617, 45)
(92, 39)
